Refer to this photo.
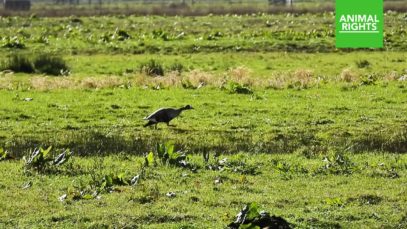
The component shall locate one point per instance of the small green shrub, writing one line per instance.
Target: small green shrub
(40, 160)
(311, 151)
(243, 168)
(165, 154)
(47, 64)
(362, 63)
(13, 43)
(51, 65)
(159, 34)
(113, 179)
(76, 20)
(214, 36)
(176, 67)
(369, 80)
(4, 155)
(152, 68)
(239, 89)
(99, 184)
(236, 165)
(338, 164)
(369, 199)
(335, 202)
(121, 35)
(187, 84)
(386, 172)
(18, 63)
(168, 155)
(286, 170)
(251, 217)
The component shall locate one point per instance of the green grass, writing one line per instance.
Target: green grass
(262, 65)
(191, 8)
(110, 120)
(266, 66)
(313, 134)
(369, 196)
(175, 35)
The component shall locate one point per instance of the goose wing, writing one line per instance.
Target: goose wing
(162, 114)
(154, 114)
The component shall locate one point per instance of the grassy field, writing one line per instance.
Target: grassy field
(189, 8)
(361, 190)
(310, 133)
(110, 120)
(258, 66)
(157, 34)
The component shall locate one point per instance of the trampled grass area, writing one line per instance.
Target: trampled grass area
(308, 191)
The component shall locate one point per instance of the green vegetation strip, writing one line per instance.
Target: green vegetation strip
(362, 118)
(175, 35)
(330, 190)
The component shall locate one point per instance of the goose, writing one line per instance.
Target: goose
(164, 115)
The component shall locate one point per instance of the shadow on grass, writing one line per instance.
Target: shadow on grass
(139, 142)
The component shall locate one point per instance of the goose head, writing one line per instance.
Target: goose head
(187, 107)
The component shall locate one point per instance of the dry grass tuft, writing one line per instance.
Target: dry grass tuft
(6, 83)
(98, 82)
(41, 83)
(241, 75)
(141, 80)
(348, 75)
(171, 79)
(391, 76)
(192, 79)
(277, 81)
(302, 78)
(44, 83)
(198, 78)
(299, 79)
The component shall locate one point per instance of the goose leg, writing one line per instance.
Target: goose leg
(168, 124)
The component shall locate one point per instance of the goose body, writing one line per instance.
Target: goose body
(164, 115)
